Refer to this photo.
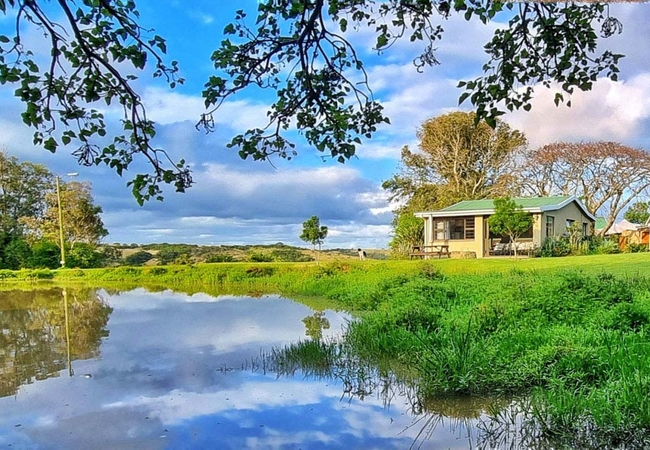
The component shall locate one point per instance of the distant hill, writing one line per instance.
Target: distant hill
(162, 254)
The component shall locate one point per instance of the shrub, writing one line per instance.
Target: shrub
(555, 246)
(636, 247)
(290, 255)
(260, 257)
(4, 274)
(138, 258)
(628, 316)
(257, 271)
(45, 255)
(44, 274)
(219, 258)
(84, 256)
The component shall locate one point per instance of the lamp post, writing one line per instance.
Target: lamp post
(58, 198)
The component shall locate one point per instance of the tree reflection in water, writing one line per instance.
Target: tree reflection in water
(43, 331)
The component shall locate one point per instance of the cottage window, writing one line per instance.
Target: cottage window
(454, 229)
(550, 226)
(585, 229)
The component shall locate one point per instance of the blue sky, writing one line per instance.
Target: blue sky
(246, 202)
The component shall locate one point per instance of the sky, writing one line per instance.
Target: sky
(244, 202)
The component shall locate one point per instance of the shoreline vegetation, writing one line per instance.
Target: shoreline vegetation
(571, 334)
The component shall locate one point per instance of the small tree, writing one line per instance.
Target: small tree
(510, 220)
(314, 233)
(638, 212)
(409, 232)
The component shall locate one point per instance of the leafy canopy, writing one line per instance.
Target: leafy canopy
(639, 212)
(97, 48)
(509, 219)
(297, 48)
(605, 176)
(458, 159)
(313, 232)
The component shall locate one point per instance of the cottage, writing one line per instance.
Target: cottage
(463, 227)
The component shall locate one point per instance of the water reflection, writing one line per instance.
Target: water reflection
(42, 332)
(338, 362)
(197, 371)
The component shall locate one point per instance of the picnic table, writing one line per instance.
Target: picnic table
(430, 250)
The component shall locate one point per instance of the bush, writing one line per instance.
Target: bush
(290, 255)
(4, 274)
(555, 246)
(599, 245)
(257, 271)
(219, 258)
(167, 256)
(84, 256)
(45, 255)
(260, 257)
(636, 248)
(16, 254)
(138, 258)
(44, 274)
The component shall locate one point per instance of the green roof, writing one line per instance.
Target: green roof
(600, 223)
(530, 202)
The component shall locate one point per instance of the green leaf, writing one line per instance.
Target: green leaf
(343, 24)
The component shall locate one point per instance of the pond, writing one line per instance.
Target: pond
(96, 369)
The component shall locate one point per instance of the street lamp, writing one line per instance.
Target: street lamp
(58, 198)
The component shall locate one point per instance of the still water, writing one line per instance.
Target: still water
(91, 369)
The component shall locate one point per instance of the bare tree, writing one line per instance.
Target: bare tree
(605, 176)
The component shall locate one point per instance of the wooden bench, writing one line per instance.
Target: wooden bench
(430, 250)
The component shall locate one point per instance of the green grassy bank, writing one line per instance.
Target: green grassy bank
(570, 332)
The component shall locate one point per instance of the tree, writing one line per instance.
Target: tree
(510, 220)
(313, 232)
(458, 160)
(296, 47)
(605, 176)
(315, 324)
(22, 188)
(408, 233)
(92, 49)
(82, 222)
(639, 212)
(138, 258)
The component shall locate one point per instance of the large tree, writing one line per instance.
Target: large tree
(458, 159)
(22, 187)
(605, 176)
(296, 47)
(82, 222)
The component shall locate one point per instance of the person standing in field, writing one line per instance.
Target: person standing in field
(362, 254)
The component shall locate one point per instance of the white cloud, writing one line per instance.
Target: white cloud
(612, 111)
(167, 107)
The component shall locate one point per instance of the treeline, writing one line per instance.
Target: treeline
(164, 254)
(29, 219)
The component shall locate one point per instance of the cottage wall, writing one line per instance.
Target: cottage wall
(569, 212)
